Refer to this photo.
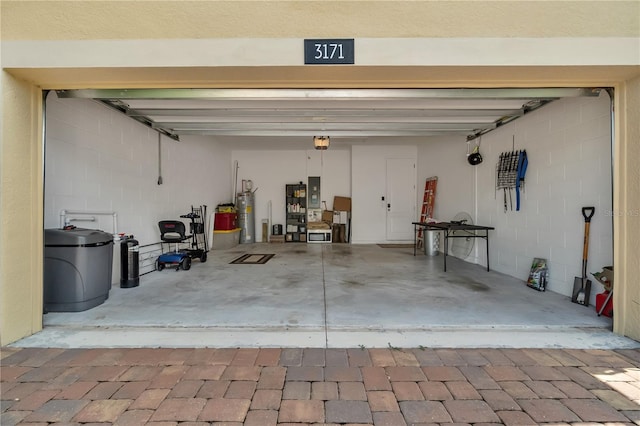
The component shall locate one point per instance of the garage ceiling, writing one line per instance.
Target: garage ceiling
(326, 112)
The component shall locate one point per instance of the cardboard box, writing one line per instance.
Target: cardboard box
(340, 217)
(276, 239)
(605, 277)
(607, 271)
(344, 217)
(342, 204)
(327, 216)
(314, 215)
(318, 226)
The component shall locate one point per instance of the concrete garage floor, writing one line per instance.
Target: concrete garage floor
(330, 295)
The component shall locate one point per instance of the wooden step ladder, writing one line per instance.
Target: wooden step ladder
(428, 202)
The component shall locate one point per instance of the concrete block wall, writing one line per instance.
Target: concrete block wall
(99, 160)
(446, 158)
(568, 144)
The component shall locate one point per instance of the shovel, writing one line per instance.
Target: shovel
(581, 285)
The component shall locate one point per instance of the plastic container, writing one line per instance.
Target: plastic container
(601, 298)
(225, 221)
(77, 269)
(226, 239)
(226, 208)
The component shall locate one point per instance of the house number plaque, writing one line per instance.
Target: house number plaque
(328, 51)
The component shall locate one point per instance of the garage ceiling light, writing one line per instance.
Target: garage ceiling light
(321, 142)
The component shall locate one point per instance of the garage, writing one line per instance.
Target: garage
(53, 47)
(143, 156)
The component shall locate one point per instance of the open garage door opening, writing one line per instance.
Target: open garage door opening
(150, 155)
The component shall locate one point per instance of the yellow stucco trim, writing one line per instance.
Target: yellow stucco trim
(92, 19)
(21, 210)
(333, 77)
(627, 211)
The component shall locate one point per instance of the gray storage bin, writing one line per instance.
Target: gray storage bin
(77, 269)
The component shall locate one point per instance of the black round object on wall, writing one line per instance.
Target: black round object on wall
(474, 159)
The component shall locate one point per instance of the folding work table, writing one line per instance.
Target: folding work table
(453, 230)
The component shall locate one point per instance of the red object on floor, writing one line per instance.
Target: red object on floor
(600, 298)
(225, 221)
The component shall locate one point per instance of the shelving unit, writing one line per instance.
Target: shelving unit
(296, 213)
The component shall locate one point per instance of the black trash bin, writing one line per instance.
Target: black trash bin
(77, 269)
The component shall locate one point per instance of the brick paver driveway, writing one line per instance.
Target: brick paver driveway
(320, 386)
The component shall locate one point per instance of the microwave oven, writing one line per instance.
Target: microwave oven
(319, 236)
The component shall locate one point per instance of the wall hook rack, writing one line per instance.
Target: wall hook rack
(510, 175)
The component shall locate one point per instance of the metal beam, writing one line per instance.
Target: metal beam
(321, 127)
(311, 133)
(219, 94)
(223, 113)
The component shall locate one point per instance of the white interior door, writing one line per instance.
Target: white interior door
(401, 198)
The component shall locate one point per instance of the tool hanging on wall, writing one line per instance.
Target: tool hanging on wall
(510, 175)
(159, 159)
(523, 162)
(474, 158)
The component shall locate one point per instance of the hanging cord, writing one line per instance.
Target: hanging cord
(474, 158)
(159, 159)
(235, 181)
